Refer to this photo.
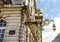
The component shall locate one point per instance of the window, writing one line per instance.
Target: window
(7, 2)
(17, 2)
(2, 23)
(2, 29)
(1, 40)
(2, 34)
(11, 32)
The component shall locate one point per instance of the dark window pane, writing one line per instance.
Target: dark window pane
(0, 24)
(0, 30)
(11, 32)
(2, 35)
(3, 30)
(7, 2)
(1, 40)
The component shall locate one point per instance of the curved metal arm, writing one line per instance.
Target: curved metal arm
(46, 22)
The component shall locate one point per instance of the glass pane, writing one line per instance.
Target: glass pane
(3, 30)
(2, 35)
(17, 1)
(3, 23)
(0, 24)
(0, 30)
(1, 40)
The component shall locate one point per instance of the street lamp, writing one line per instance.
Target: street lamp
(43, 23)
(47, 21)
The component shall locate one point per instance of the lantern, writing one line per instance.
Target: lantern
(54, 27)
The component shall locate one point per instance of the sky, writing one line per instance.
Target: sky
(51, 10)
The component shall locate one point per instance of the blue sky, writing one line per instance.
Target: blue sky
(50, 8)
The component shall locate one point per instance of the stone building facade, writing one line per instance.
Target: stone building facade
(10, 15)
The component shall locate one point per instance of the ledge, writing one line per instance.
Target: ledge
(12, 5)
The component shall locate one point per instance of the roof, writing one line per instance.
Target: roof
(57, 38)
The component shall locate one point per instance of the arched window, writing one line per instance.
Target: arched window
(2, 23)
